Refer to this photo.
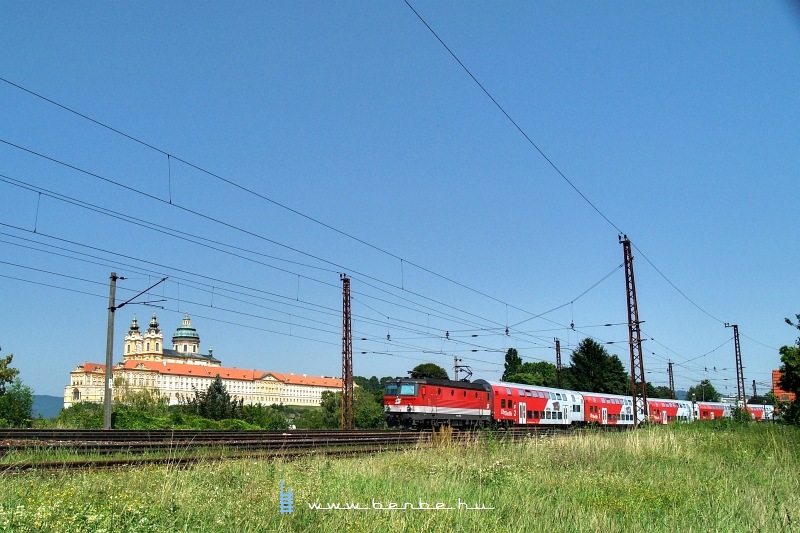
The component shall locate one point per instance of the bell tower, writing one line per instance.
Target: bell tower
(133, 341)
(153, 340)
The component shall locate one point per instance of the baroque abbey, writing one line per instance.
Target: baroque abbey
(148, 366)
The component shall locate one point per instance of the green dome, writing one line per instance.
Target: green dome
(186, 331)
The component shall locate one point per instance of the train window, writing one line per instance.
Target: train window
(452, 392)
(465, 394)
(510, 403)
(408, 389)
(528, 393)
(560, 415)
(503, 403)
(508, 391)
(476, 394)
(530, 414)
(439, 391)
(391, 389)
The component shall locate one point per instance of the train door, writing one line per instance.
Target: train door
(712, 415)
(523, 414)
(566, 416)
(429, 399)
(604, 416)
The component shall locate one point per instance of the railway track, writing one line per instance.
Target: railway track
(101, 449)
(114, 449)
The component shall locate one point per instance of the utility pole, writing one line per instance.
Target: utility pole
(109, 350)
(456, 367)
(558, 362)
(754, 389)
(347, 356)
(109, 376)
(638, 384)
(740, 390)
(671, 381)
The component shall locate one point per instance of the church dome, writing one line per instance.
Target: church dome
(186, 331)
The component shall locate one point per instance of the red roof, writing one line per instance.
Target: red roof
(302, 379)
(92, 367)
(180, 369)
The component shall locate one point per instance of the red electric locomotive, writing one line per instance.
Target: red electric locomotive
(426, 402)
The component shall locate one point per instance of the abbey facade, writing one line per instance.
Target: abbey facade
(178, 371)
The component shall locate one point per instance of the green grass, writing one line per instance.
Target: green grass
(679, 478)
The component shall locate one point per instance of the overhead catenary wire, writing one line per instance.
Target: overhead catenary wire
(402, 284)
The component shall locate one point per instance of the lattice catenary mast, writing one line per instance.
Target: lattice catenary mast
(740, 390)
(558, 362)
(638, 384)
(671, 381)
(347, 357)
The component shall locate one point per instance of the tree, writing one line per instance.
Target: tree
(264, 416)
(16, 399)
(513, 364)
(16, 404)
(661, 391)
(703, 392)
(790, 369)
(790, 377)
(367, 413)
(214, 403)
(429, 370)
(542, 373)
(594, 370)
(7, 373)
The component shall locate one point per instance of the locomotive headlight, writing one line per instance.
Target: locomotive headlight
(386, 408)
(408, 408)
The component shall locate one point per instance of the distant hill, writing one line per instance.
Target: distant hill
(47, 406)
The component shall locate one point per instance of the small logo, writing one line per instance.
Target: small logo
(286, 500)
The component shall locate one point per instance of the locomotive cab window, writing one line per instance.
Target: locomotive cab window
(391, 389)
(408, 389)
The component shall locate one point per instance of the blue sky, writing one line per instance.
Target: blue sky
(350, 140)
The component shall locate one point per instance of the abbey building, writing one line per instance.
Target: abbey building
(178, 371)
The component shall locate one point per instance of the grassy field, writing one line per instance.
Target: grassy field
(678, 479)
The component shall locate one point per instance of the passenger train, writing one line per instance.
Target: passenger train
(425, 402)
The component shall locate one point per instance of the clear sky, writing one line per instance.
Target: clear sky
(272, 146)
